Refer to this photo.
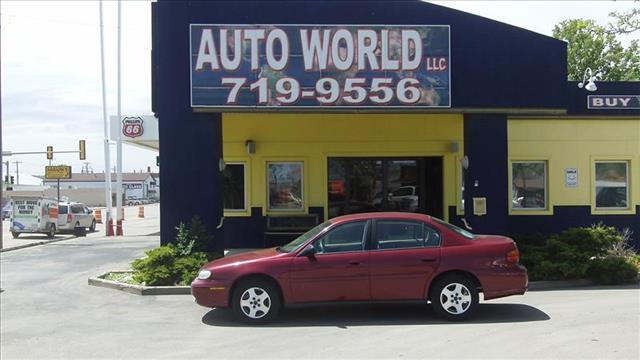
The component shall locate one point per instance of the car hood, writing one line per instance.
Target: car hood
(249, 256)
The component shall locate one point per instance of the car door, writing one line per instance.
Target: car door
(63, 212)
(79, 216)
(339, 270)
(404, 255)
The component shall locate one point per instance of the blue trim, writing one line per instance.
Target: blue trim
(248, 232)
(577, 98)
(485, 144)
(565, 217)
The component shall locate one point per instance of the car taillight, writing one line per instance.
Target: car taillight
(513, 256)
(69, 219)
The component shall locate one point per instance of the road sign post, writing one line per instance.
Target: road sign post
(57, 172)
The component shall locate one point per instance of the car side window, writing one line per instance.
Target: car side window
(62, 209)
(77, 209)
(344, 238)
(403, 234)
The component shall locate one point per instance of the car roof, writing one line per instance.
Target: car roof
(381, 215)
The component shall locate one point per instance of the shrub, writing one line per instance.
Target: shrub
(612, 270)
(192, 238)
(163, 266)
(187, 267)
(157, 268)
(567, 255)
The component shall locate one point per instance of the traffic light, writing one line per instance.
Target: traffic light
(49, 152)
(6, 179)
(158, 160)
(12, 180)
(83, 154)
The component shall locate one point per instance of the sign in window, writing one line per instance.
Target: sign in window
(285, 191)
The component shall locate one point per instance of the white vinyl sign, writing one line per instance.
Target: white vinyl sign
(571, 177)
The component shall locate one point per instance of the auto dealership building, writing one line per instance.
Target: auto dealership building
(280, 115)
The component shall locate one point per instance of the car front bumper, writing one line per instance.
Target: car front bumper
(211, 293)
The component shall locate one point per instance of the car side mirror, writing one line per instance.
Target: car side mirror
(309, 251)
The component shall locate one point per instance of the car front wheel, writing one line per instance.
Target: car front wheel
(454, 297)
(15, 234)
(92, 228)
(256, 301)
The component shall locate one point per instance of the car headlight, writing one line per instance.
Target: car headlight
(204, 274)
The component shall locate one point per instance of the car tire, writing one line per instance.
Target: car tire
(454, 297)
(52, 232)
(15, 234)
(256, 301)
(92, 228)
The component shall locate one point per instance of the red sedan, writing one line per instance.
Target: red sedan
(367, 257)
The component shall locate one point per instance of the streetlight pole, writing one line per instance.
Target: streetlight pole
(107, 155)
(119, 143)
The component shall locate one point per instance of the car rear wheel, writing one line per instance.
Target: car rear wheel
(52, 232)
(15, 234)
(92, 228)
(256, 301)
(454, 297)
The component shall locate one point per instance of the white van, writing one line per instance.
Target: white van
(73, 215)
(31, 214)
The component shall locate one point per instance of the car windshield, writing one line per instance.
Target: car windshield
(455, 229)
(295, 244)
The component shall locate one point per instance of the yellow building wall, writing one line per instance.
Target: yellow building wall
(312, 138)
(576, 143)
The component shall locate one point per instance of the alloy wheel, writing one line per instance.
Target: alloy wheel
(255, 302)
(455, 298)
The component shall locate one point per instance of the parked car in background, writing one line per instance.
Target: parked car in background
(136, 202)
(367, 257)
(73, 215)
(33, 215)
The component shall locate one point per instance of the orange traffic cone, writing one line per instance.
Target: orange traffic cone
(119, 228)
(140, 211)
(98, 213)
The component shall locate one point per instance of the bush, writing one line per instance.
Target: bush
(567, 255)
(163, 266)
(188, 267)
(192, 238)
(612, 270)
(157, 268)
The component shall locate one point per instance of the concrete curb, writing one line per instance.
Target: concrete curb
(37, 243)
(562, 284)
(137, 289)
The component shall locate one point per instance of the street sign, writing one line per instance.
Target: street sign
(57, 172)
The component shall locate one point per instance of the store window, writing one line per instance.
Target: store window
(529, 185)
(285, 188)
(234, 187)
(612, 185)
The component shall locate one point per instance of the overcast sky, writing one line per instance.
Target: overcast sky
(51, 87)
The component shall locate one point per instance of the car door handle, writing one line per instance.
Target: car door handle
(354, 262)
(428, 259)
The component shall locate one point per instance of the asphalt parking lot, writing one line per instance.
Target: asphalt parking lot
(49, 311)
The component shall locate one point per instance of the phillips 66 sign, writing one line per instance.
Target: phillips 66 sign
(132, 127)
(320, 66)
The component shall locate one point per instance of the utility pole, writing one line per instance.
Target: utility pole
(17, 172)
(107, 158)
(119, 231)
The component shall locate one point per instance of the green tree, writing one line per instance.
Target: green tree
(593, 46)
(625, 22)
